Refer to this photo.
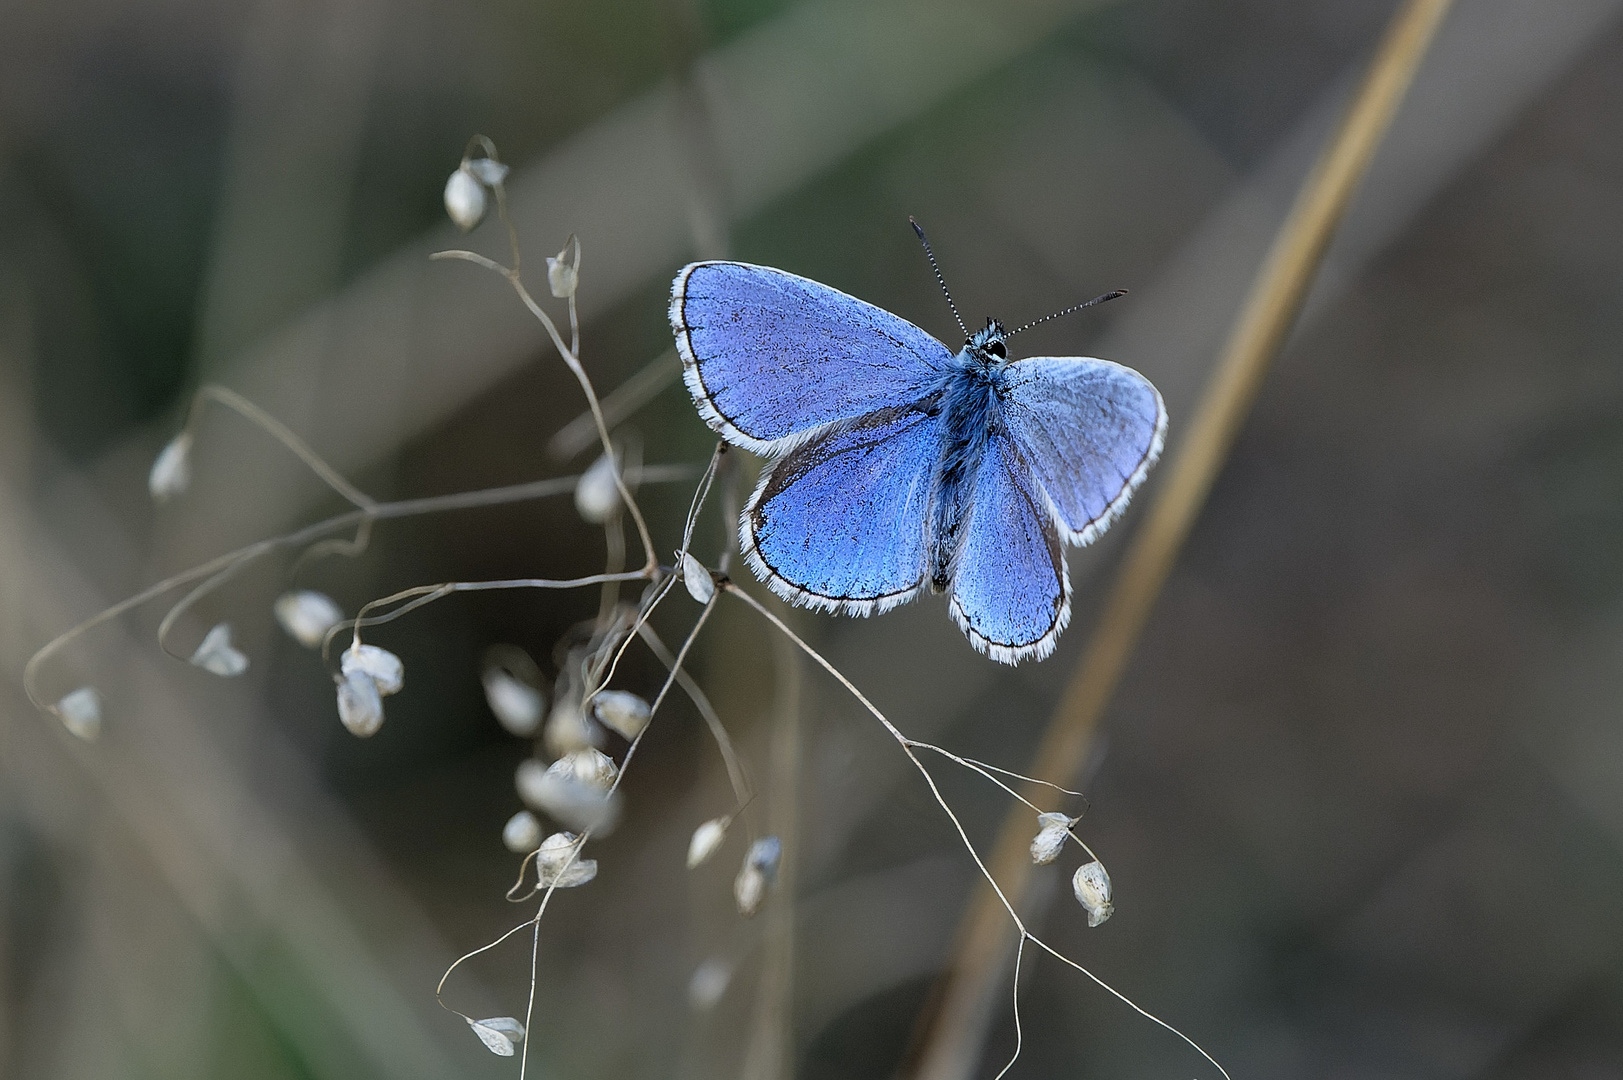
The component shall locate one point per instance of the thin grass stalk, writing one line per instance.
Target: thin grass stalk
(769, 1054)
(953, 1030)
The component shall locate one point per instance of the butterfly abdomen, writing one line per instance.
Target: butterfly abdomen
(970, 411)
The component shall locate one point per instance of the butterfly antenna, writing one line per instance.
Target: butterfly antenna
(928, 254)
(1067, 311)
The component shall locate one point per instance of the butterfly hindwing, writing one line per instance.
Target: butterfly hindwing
(838, 522)
(769, 356)
(1011, 591)
(1090, 430)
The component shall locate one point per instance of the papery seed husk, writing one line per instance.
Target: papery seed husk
(171, 471)
(516, 705)
(765, 854)
(559, 865)
(522, 833)
(749, 889)
(621, 712)
(700, 585)
(464, 200)
(591, 767)
(1091, 884)
(500, 1034)
(307, 615)
(597, 496)
(217, 656)
(80, 712)
(381, 665)
(706, 839)
(487, 171)
(1047, 844)
(709, 983)
(556, 791)
(360, 707)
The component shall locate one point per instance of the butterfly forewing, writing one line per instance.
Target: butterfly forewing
(769, 356)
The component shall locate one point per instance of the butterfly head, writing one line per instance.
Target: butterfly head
(990, 345)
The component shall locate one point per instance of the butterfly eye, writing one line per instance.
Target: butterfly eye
(996, 349)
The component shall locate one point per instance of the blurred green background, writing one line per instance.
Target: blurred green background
(1361, 794)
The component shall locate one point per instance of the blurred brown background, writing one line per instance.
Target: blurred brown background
(1362, 791)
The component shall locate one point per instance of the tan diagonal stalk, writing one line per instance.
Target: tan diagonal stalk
(954, 1029)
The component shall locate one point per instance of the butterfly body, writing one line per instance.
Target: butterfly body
(899, 466)
(969, 406)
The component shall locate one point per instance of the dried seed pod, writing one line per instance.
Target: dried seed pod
(760, 870)
(749, 889)
(706, 839)
(171, 471)
(360, 706)
(558, 864)
(1092, 887)
(591, 767)
(522, 833)
(382, 666)
(80, 712)
(563, 273)
(217, 656)
(517, 705)
(700, 585)
(597, 497)
(307, 615)
(709, 983)
(623, 713)
(558, 791)
(1051, 832)
(500, 1034)
(568, 729)
(488, 171)
(464, 199)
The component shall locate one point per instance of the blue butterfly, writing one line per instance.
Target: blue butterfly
(898, 465)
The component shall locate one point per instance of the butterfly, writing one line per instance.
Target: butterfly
(897, 464)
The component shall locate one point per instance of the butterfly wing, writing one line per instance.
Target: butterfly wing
(838, 523)
(769, 356)
(1090, 430)
(1011, 591)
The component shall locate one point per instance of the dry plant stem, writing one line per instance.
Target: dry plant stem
(580, 844)
(614, 544)
(422, 595)
(700, 495)
(572, 360)
(405, 508)
(1019, 1031)
(349, 549)
(737, 776)
(770, 1050)
(951, 1036)
(282, 434)
(618, 404)
(729, 512)
(907, 746)
(596, 682)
